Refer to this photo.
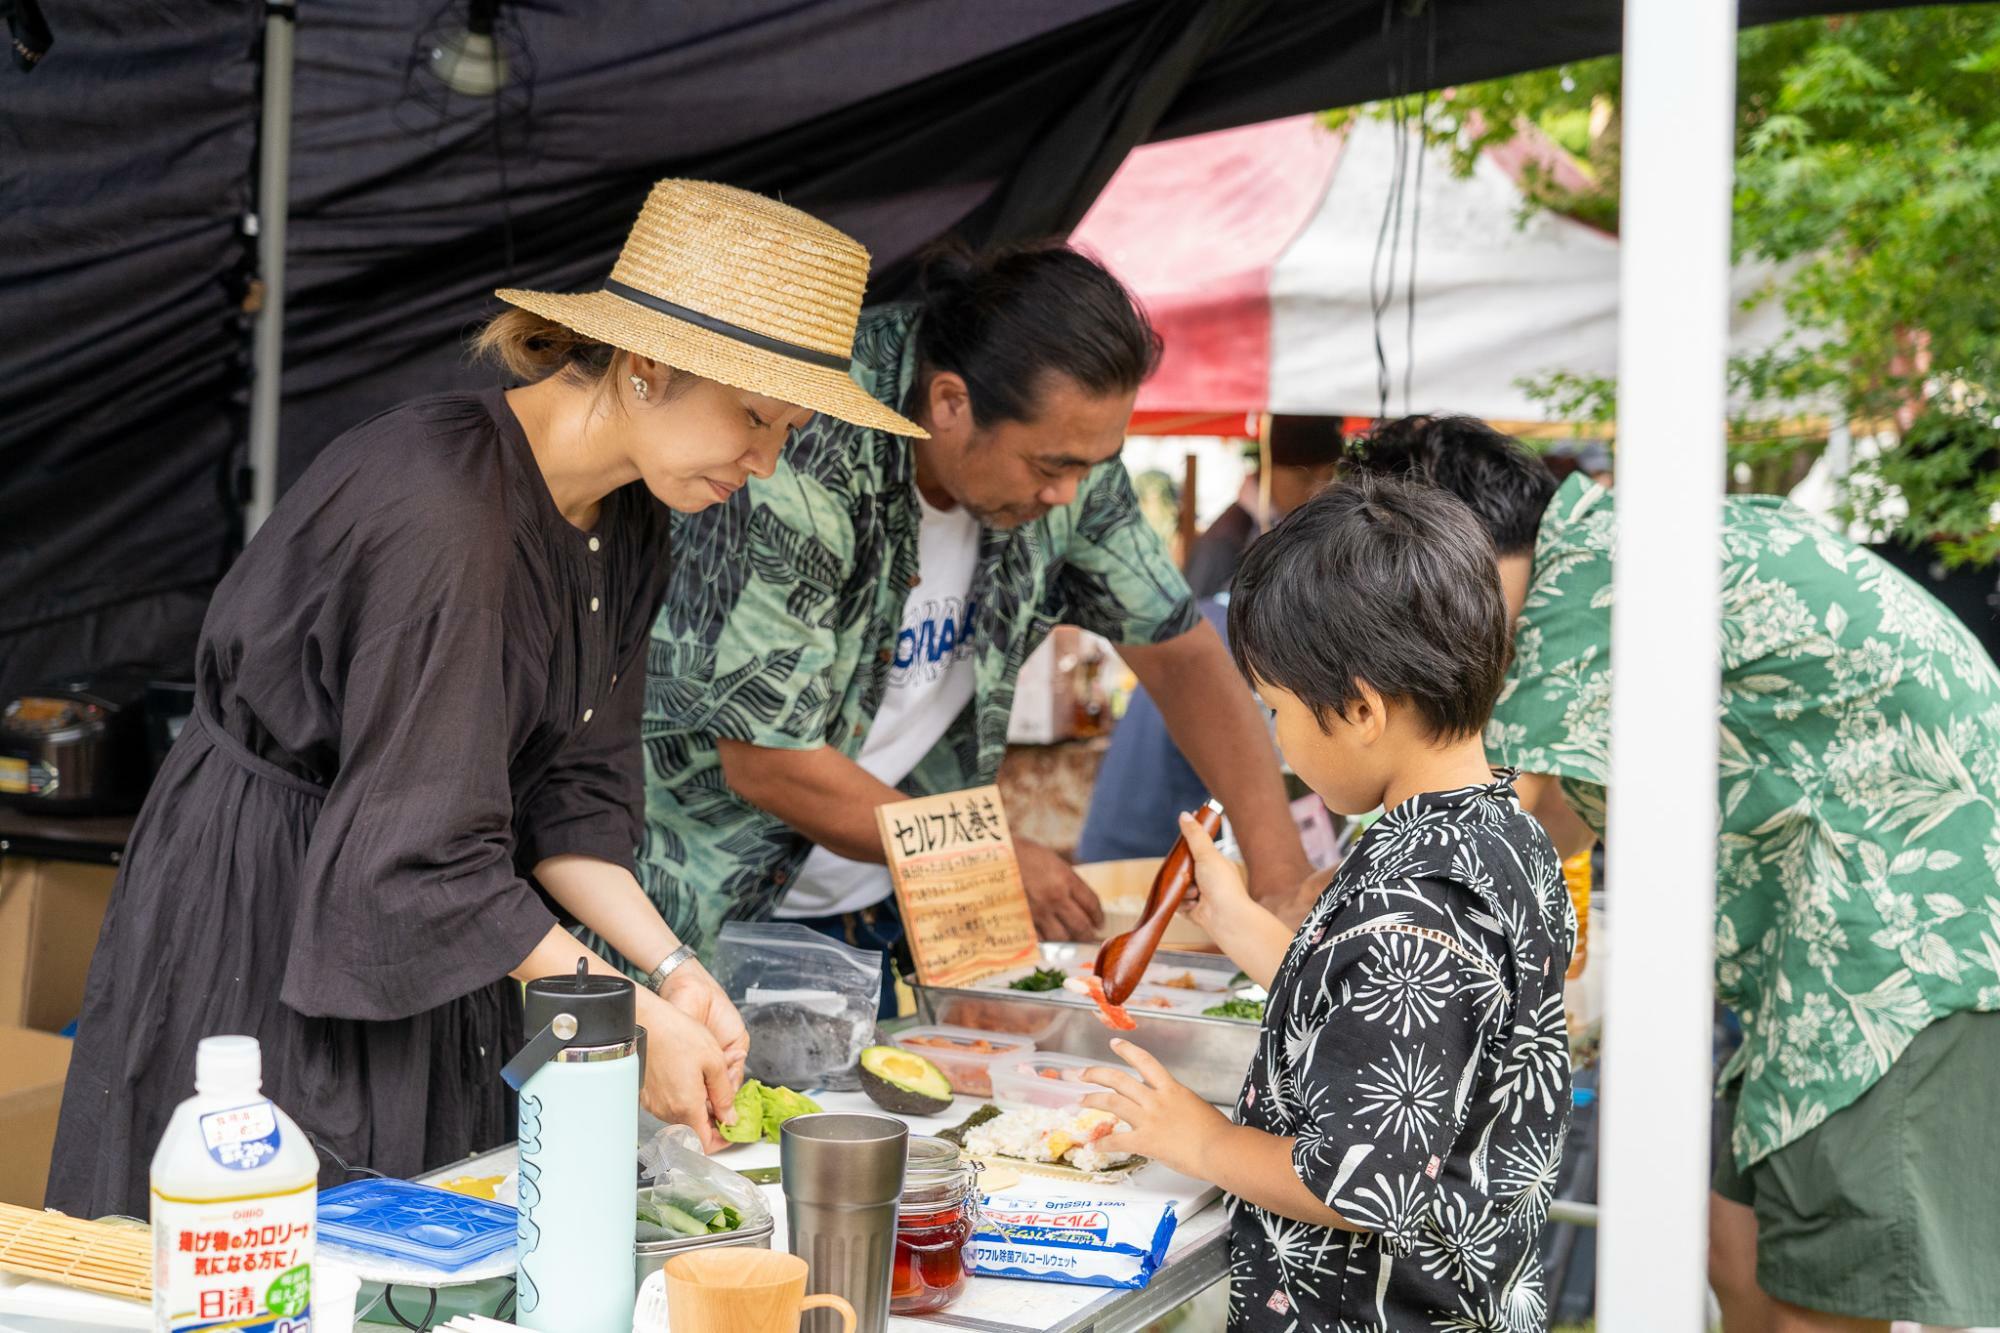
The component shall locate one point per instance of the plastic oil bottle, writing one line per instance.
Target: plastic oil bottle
(235, 1194)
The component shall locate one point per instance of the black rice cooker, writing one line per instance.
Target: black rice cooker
(76, 746)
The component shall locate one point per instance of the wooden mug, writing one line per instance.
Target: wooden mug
(741, 1290)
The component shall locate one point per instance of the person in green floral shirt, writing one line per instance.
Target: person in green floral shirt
(1857, 880)
(848, 630)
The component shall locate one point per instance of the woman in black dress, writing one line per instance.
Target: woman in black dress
(415, 746)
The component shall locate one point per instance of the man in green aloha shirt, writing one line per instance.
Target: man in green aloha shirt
(848, 630)
(1857, 913)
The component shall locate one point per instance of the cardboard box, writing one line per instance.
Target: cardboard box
(32, 1068)
(50, 913)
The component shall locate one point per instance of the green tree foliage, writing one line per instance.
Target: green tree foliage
(1868, 165)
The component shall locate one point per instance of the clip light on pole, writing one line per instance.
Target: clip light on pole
(469, 61)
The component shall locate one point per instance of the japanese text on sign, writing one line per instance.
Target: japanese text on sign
(958, 885)
(969, 820)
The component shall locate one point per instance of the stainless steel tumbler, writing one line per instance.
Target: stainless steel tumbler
(843, 1174)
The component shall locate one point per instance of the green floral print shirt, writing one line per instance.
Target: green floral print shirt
(1856, 895)
(779, 628)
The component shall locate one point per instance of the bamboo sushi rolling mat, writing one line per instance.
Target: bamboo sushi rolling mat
(95, 1256)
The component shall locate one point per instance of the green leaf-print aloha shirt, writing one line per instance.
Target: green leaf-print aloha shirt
(779, 627)
(1856, 896)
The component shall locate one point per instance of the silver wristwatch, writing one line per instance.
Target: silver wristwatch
(658, 976)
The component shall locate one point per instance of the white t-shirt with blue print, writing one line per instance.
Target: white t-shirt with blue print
(930, 683)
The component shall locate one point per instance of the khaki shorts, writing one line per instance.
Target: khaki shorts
(1891, 1208)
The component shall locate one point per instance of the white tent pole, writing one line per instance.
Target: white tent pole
(274, 167)
(1679, 110)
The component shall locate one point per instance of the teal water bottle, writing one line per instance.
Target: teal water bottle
(578, 1077)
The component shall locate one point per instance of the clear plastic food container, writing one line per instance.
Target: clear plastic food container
(1175, 977)
(1171, 999)
(966, 1055)
(1189, 980)
(1045, 1079)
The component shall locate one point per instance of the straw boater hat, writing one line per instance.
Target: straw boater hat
(739, 289)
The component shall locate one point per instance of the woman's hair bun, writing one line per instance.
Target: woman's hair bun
(533, 348)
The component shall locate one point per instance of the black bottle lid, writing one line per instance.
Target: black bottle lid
(605, 1008)
(579, 1011)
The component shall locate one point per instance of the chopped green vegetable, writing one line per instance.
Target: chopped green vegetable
(681, 1223)
(761, 1110)
(749, 1126)
(1240, 979)
(1253, 1010)
(1042, 978)
(780, 1105)
(684, 1216)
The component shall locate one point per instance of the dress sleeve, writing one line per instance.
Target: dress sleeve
(1385, 1076)
(745, 643)
(588, 804)
(1117, 578)
(409, 897)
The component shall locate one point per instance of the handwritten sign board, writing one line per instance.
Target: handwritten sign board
(958, 885)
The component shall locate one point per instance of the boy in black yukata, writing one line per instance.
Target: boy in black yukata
(1395, 1146)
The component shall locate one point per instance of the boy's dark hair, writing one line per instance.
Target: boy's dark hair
(1504, 484)
(1003, 319)
(1378, 579)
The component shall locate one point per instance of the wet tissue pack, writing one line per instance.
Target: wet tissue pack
(1090, 1242)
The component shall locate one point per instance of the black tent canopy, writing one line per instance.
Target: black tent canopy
(128, 169)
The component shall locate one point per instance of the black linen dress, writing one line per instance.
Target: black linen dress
(417, 682)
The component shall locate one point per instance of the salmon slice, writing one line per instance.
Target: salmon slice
(1113, 1016)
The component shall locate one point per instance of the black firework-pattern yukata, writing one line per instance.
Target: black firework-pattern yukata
(1414, 1046)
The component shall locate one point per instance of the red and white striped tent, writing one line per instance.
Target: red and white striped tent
(1252, 249)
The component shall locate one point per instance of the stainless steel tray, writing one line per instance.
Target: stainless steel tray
(1209, 1055)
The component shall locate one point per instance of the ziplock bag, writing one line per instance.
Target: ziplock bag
(809, 1002)
(683, 1195)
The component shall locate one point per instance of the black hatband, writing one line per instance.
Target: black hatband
(748, 337)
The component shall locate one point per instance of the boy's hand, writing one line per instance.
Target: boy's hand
(1218, 895)
(1169, 1124)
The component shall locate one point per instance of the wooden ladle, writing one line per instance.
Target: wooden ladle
(1122, 959)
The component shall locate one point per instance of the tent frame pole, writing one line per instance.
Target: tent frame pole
(1679, 156)
(274, 168)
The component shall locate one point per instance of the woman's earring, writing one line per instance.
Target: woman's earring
(640, 387)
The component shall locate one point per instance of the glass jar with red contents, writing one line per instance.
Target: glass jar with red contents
(936, 1217)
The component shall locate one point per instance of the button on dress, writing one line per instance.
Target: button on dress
(406, 699)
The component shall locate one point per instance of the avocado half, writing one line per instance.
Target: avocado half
(903, 1082)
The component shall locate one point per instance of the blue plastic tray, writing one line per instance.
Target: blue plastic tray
(400, 1220)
